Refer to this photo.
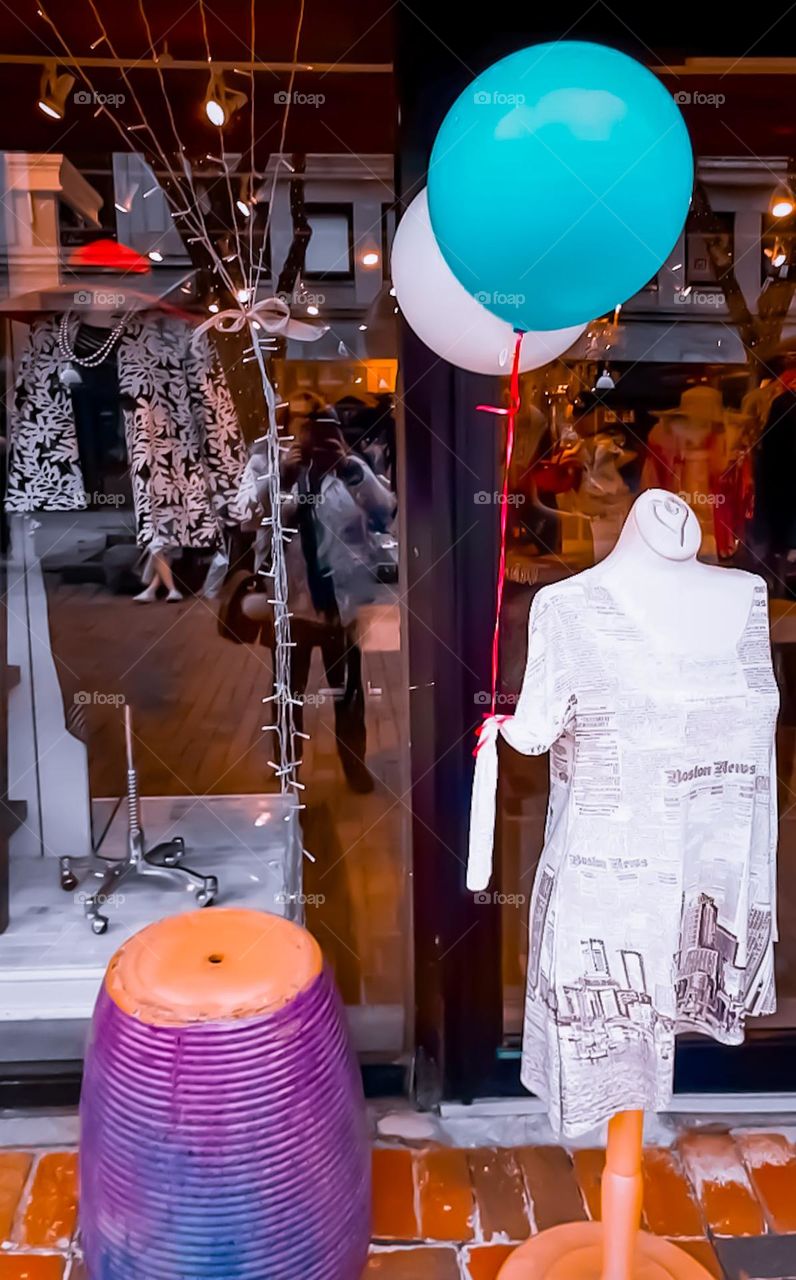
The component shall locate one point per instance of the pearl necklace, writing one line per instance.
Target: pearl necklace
(69, 376)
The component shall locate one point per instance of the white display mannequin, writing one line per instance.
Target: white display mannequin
(654, 574)
(701, 612)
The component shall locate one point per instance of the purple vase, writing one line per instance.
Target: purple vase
(225, 1149)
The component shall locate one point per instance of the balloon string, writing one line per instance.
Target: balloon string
(511, 416)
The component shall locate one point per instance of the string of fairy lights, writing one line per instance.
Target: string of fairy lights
(220, 104)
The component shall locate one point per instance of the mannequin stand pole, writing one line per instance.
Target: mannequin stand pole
(613, 1249)
(622, 1193)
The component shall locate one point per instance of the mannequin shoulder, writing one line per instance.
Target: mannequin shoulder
(567, 591)
(719, 578)
(562, 600)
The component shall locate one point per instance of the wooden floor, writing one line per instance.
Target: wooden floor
(198, 711)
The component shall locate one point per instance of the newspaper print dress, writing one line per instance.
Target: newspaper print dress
(653, 908)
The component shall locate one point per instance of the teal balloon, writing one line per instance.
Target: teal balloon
(559, 183)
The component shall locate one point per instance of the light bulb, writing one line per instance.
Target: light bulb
(782, 203)
(312, 310)
(244, 208)
(370, 259)
(215, 113)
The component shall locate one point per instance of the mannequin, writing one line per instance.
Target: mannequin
(157, 574)
(668, 652)
(654, 574)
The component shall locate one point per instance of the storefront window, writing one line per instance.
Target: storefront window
(143, 645)
(689, 390)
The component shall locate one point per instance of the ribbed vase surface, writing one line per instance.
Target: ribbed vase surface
(223, 1130)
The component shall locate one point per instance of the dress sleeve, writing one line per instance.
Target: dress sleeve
(543, 711)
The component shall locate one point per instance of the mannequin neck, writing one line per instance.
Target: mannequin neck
(660, 537)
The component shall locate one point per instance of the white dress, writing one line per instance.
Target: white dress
(653, 905)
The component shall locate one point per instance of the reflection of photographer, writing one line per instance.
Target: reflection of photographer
(337, 504)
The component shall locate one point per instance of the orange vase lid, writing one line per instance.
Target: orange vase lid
(212, 965)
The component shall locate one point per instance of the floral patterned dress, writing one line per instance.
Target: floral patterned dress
(184, 445)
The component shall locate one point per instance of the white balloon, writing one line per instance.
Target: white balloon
(449, 319)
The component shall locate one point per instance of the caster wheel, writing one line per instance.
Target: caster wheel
(207, 893)
(69, 880)
(99, 925)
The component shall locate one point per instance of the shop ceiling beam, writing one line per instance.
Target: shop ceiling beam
(730, 67)
(166, 63)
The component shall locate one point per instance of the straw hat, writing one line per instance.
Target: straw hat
(701, 404)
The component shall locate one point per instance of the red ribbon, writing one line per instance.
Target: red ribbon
(479, 733)
(511, 415)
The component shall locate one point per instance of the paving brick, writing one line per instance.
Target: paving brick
(27, 1266)
(445, 1194)
(768, 1257)
(704, 1253)
(551, 1185)
(714, 1165)
(414, 1264)
(499, 1193)
(483, 1262)
(51, 1212)
(14, 1169)
(670, 1207)
(589, 1164)
(771, 1163)
(394, 1215)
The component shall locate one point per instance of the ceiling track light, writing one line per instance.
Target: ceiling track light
(221, 103)
(782, 202)
(53, 91)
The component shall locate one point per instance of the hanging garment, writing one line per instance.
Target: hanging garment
(653, 905)
(186, 454)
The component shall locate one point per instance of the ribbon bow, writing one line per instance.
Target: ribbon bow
(488, 731)
(271, 314)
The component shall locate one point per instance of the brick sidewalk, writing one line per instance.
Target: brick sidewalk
(455, 1213)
